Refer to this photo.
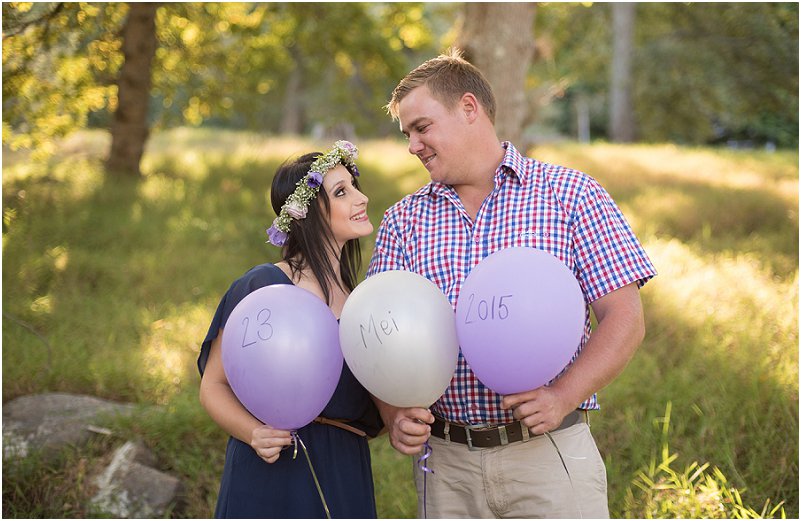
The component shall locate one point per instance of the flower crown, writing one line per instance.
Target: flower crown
(297, 204)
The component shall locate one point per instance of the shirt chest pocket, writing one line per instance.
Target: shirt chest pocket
(544, 228)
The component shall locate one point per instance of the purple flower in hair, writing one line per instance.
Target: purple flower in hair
(349, 147)
(276, 236)
(355, 171)
(314, 179)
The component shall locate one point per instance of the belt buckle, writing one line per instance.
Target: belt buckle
(503, 436)
(467, 429)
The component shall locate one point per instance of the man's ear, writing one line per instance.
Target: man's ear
(469, 106)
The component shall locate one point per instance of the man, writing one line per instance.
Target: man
(529, 454)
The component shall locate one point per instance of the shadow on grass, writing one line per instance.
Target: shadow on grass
(713, 216)
(729, 408)
(121, 277)
(93, 269)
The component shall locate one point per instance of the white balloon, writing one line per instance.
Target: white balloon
(398, 336)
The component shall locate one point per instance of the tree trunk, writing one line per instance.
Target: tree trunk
(292, 113)
(129, 129)
(498, 38)
(621, 111)
(583, 118)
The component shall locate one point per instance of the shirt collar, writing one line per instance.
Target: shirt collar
(513, 163)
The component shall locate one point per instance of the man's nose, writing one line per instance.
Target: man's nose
(415, 146)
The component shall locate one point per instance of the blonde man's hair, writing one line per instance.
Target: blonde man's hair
(448, 76)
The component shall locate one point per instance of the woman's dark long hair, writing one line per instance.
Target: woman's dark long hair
(310, 239)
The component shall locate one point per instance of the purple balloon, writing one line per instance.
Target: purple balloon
(519, 319)
(281, 355)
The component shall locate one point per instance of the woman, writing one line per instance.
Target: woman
(321, 214)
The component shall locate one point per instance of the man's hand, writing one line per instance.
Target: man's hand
(541, 410)
(408, 426)
(619, 333)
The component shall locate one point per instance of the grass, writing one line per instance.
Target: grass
(697, 492)
(109, 286)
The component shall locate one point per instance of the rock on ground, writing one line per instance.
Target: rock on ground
(130, 488)
(52, 421)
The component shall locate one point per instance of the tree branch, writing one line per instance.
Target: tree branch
(46, 18)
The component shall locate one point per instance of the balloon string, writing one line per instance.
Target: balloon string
(297, 441)
(425, 456)
(426, 470)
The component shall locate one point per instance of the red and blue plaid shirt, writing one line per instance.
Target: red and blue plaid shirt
(534, 204)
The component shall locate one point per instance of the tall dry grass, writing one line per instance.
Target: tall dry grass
(109, 286)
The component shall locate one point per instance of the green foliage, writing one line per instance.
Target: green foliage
(59, 61)
(663, 493)
(232, 63)
(217, 62)
(108, 288)
(702, 73)
(730, 68)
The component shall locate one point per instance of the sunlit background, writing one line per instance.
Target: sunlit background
(110, 279)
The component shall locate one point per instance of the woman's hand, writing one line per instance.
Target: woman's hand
(268, 442)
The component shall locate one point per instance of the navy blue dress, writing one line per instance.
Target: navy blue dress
(252, 488)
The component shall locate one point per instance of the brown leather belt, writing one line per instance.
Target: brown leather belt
(340, 424)
(484, 437)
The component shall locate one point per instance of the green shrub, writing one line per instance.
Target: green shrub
(660, 492)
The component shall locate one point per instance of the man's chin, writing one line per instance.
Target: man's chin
(437, 177)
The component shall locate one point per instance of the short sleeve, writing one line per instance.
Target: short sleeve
(257, 277)
(608, 254)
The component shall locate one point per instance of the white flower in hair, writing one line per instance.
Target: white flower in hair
(296, 210)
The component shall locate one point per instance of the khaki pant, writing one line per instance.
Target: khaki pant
(520, 480)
